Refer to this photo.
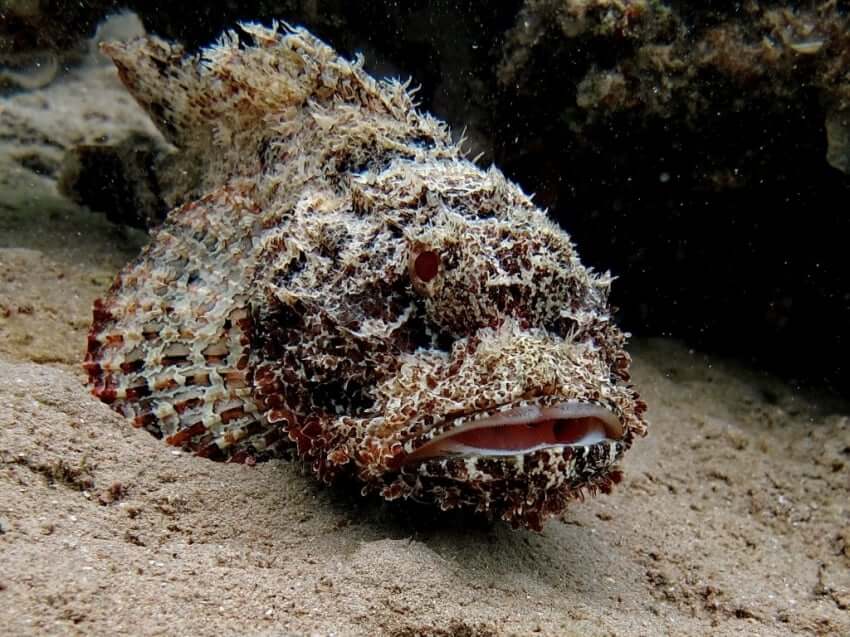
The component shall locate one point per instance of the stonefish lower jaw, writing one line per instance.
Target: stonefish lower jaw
(524, 430)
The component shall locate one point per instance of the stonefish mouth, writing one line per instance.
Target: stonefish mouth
(523, 430)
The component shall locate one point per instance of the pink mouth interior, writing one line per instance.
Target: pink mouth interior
(514, 437)
(507, 434)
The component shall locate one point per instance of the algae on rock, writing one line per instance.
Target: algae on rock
(682, 62)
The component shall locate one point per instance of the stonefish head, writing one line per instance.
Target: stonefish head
(343, 280)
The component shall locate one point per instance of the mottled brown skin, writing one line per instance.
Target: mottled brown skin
(351, 285)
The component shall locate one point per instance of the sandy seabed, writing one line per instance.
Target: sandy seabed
(733, 518)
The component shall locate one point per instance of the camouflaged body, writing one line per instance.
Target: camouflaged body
(281, 307)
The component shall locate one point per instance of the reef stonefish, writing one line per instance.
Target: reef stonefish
(345, 282)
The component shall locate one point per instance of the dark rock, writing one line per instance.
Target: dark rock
(117, 179)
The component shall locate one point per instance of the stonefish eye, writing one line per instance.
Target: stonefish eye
(426, 265)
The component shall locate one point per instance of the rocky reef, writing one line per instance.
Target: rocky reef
(685, 65)
(82, 136)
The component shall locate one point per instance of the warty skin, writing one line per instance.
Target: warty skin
(345, 281)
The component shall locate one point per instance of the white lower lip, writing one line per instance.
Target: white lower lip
(609, 428)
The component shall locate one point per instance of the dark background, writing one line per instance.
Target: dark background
(728, 231)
